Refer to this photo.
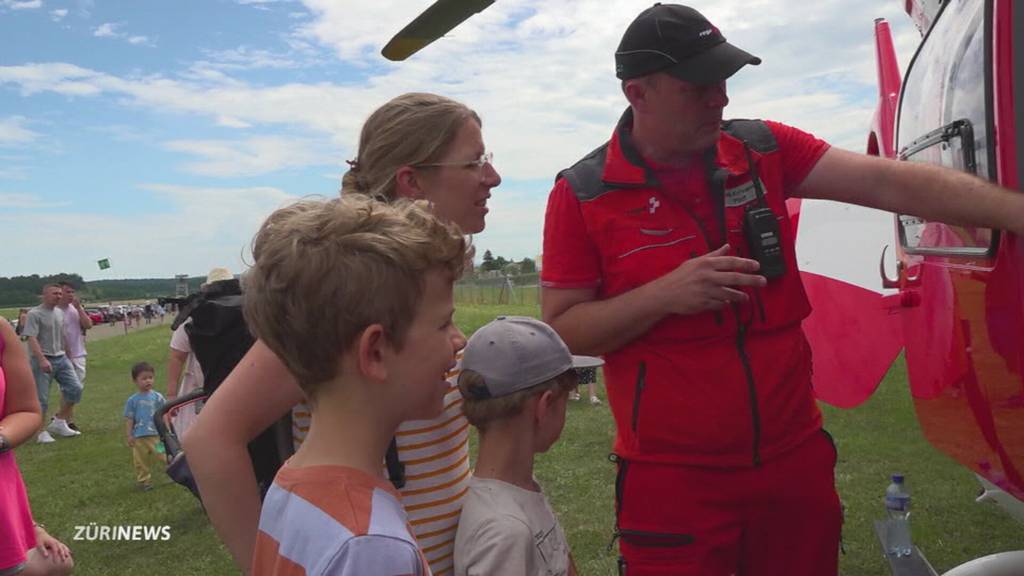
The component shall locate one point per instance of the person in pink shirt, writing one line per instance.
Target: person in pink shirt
(76, 324)
(25, 547)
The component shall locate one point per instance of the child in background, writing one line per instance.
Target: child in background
(516, 378)
(139, 428)
(355, 297)
(587, 376)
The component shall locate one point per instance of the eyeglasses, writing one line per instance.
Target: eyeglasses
(484, 159)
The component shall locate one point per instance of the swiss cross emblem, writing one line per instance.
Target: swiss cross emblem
(653, 204)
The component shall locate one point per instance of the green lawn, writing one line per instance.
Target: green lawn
(89, 479)
(9, 313)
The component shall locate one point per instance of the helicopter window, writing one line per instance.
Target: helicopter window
(945, 117)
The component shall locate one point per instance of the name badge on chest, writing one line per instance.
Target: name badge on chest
(741, 194)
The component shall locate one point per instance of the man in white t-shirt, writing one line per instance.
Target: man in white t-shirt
(183, 376)
(76, 324)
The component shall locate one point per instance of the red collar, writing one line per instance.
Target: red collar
(625, 166)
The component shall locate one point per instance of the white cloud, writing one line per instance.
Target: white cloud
(368, 25)
(13, 200)
(540, 72)
(230, 122)
(113, 30)
(335, 110)
(64, 79)
(206, 227)
(252, 157)
(107, 30)
(13, 131)
(59, 14)
(247, 58)
(22, 4)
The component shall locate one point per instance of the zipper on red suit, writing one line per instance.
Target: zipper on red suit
(716, 184)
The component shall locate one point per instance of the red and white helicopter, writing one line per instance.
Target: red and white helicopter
(956, 304)
(961, 290)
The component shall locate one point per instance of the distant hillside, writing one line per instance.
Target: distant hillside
(24, 290)
(134, 289)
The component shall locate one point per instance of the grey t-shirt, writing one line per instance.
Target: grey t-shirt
(47, 325)
(505, 529)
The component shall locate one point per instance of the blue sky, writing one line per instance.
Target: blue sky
(159, 134)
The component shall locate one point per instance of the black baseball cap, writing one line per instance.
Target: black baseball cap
(679, 41)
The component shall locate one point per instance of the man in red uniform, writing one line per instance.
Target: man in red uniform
(668, 251)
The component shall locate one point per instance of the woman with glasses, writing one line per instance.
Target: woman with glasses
(419, 146)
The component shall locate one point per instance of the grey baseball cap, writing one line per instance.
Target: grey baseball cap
(513, 353)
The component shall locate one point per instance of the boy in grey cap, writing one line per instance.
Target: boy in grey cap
(516, 377)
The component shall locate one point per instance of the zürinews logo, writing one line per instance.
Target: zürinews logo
(93, 532)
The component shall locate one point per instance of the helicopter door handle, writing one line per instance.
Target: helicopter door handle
(886, 282)
(902, 280)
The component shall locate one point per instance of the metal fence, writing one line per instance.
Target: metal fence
(484, 288)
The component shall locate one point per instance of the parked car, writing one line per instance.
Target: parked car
(95, 315)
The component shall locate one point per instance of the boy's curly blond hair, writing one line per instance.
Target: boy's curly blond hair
(325, 270)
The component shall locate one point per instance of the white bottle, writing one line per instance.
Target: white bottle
(897, 505)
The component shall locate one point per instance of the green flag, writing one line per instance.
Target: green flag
(104, 263)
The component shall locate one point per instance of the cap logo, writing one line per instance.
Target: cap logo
(653, 204)
(706, 33)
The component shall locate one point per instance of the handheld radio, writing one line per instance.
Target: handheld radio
(761, 229)
(763, 239)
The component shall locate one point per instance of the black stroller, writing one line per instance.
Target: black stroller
(177, 466)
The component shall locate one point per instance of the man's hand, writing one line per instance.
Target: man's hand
(707, 282)
(130, 441)
(45, 365)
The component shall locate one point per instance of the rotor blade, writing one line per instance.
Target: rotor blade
(434, 23)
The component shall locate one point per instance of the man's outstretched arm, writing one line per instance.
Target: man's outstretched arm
(931, 192)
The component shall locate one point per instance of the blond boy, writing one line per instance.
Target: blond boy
(516, 377)
(355, 297)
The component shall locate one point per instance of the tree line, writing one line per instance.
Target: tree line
(18, 291)
(524, 266)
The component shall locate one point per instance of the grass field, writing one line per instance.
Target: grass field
(89, 479)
